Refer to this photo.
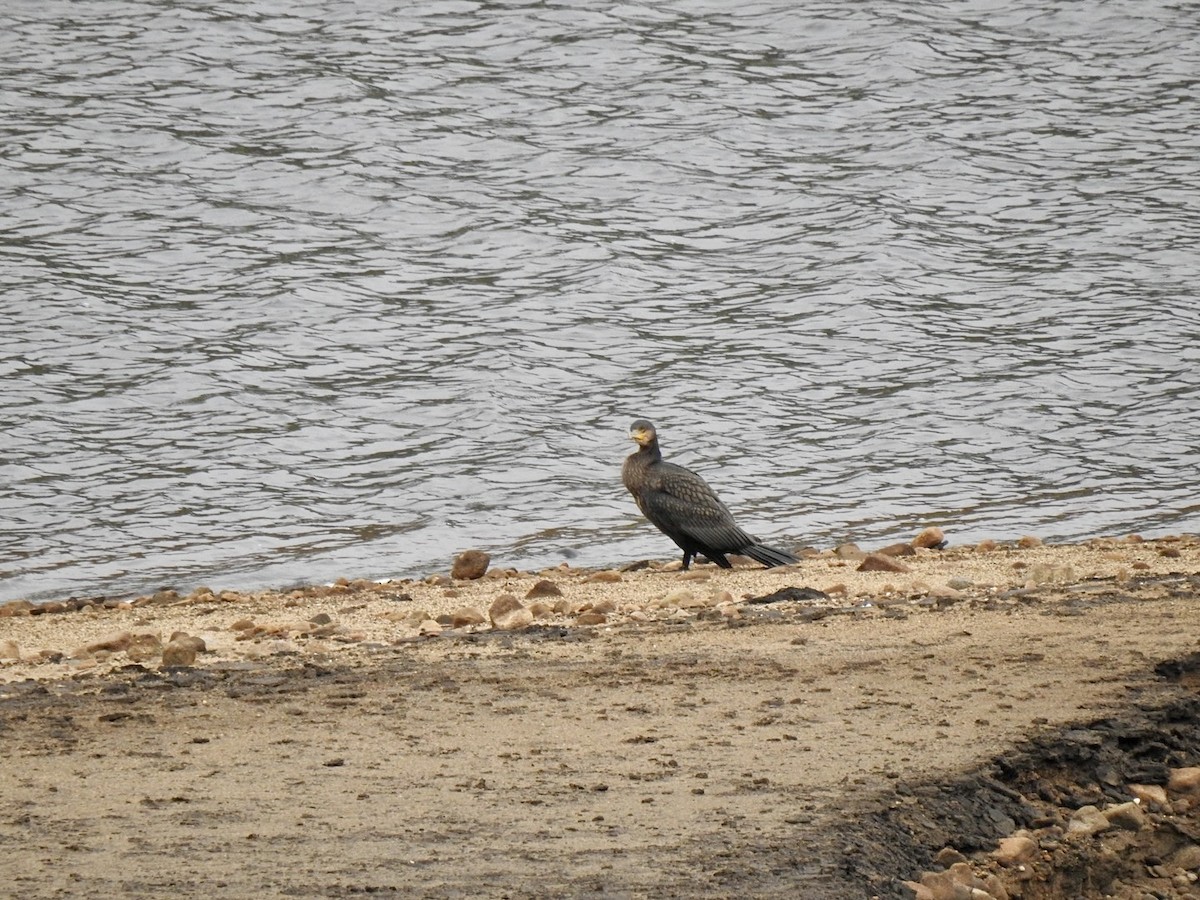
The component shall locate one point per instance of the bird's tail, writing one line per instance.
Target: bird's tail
(768, 556)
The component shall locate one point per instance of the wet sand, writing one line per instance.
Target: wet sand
(658, 735)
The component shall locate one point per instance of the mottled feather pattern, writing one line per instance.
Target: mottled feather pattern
(683, 507)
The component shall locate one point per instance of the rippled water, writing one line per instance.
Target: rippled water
(296, 291)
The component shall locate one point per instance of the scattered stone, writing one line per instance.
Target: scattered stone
(897, 550)
(1170, 552)
(196, 643)
(678, 597)
(849, 551)
(429, 626)
(1152, 795)
(466, 616)
(608, 576)
(469, 565)
(113, 643)
(932, 538)
(607, 605)
(543, 588)
(242, 625)
(1016, 850)
(15, 608)
(9, 650)
(178, 653)
(540, 609)
(1126, 816)
(985, 546)
(591, 618)
(1029, 541)
(1086, 821)
(508, 614)
(801, 594)
(1187, 857)
(1184, 781)
(143, 647)
(874, 562)
(948, 856)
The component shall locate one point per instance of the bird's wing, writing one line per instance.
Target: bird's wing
(679, 500)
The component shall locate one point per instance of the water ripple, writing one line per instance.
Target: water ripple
(296, 292)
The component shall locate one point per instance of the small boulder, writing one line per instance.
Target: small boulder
(1126, 816)
(469, 565)
(932, 538)
(113, 643)
(143, 647)
(189, 640)
(1185, 780)
(543, 588)
(591, 617)
(875, 562)
(1086, 821)
(467, 615)
(1152, 795)
(897, 550)
(1029, 541)
(1015, 850)
(507, 613)
(9, 650)
(848, 551)
(177, 653)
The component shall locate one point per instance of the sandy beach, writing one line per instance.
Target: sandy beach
(1013, 719)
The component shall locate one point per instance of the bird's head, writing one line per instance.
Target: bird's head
(643, 433)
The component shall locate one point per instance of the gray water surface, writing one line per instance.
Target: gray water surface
(294, 291)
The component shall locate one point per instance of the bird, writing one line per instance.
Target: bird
(681, 505)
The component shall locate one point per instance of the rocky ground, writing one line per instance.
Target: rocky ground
(997, 721)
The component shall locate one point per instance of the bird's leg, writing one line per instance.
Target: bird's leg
(687, 559)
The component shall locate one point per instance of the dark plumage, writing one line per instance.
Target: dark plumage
(684, 508)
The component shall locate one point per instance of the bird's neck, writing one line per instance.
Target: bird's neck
(650, 453)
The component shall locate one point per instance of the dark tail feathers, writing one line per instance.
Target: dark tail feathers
(768, 556)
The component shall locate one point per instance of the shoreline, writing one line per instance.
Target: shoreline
(647, 732)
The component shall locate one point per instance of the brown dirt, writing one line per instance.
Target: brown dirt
(796, 748)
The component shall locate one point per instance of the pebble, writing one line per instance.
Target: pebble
(1029, 541)
(897, 550)
(190, 640)
(467, 615)
(178, 653)
(1153, 795)
(15, 608)
(469, 565)
(932, 538)
(591, 618)
(875, 562)
(112, 643)
(608, 576)
(1187, 857)
(1185, 780)
(543, 588)
(849, 551)
(143, 647)
(1015, 850)
(9, 650)
(1086, 821)
(507, 613)
(1126, 816)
